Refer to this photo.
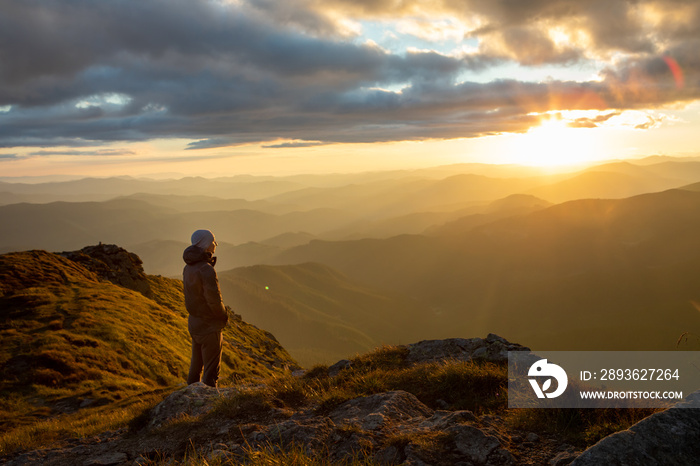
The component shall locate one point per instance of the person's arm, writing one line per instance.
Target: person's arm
(212, 293)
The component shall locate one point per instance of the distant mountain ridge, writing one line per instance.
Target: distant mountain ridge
(586, 274)
(244, 209)
(591, 272)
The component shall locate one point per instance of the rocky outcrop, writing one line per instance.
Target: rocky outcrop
(376, 411)
(115, 264)
(492, 348)
(667, 438)
(392, 427)
(193, 400)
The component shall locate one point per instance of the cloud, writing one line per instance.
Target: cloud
(8, 157)
(81, 73)
(99, 152)
(650, 123)
(592, 122)
(294, 144)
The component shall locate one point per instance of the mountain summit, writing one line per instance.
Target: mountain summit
(88, 330)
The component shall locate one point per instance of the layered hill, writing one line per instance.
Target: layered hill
(242, 209)
(134, 221)
(88, 328)
(587, 274)
(319, 314)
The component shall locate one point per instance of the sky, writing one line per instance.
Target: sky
(216, 87)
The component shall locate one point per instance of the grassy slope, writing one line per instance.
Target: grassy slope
(477, 386)
(318, 314)
(69, 340)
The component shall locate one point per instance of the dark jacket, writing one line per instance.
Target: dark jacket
(202, 293)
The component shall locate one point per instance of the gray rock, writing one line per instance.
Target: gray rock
(492, 348)
(396, 407)
(108, 459)
(313, 433)
(442, 404)
(562, 458)
(670, 437)
(341, 365)
(373, 421)
(475, 446)
(86, 402)
(441, 420)
(412, 458)
(194, 400)
(388, 455)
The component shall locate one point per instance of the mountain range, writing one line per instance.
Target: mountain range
(599, 258)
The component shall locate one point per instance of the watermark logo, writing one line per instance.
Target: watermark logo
(542, 368)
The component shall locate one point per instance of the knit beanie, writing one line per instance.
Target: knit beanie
(203, 239)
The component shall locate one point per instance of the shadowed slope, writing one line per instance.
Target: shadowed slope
(587, 274)
(319, 314)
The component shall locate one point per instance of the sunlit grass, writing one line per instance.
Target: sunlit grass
(79, 355)
(477, 386)
(84, 423)
(294, 455)
(480, 387)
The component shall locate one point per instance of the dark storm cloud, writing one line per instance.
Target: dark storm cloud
(80, 72)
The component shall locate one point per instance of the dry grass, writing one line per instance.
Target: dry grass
(294, 455)
(78, 355)
(480, 387)
(84, 423)
(583, 427)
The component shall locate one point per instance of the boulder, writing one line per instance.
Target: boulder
(341, 365)
(193, 400)
(383, 409)
(492, 348)
(108, 459)
(670, 437)
(312, 433)
(477, 447)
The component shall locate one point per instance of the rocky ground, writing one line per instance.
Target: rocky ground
(392, 427)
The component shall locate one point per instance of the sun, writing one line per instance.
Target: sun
(554, 143)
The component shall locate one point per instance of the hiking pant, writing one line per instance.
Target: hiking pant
(206, 354)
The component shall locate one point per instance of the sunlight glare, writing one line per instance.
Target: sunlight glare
(555, 143)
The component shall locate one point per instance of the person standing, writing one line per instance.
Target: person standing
(207, 314)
